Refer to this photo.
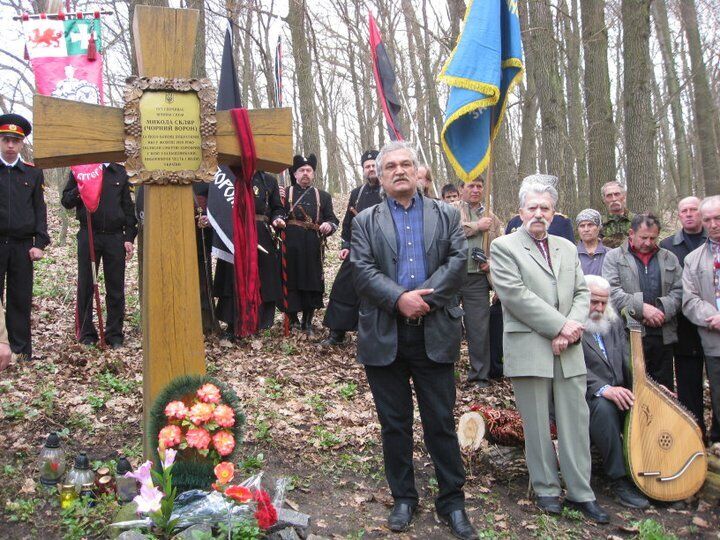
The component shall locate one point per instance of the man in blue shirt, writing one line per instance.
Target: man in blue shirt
(409, 257)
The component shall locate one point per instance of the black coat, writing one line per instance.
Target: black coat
(267, 203)
(613, 369)
(688, 343)
(305, 246)
(23, 214)
(115, 212)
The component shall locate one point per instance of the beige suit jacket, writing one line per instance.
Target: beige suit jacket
(698, 298)
(537, 301)
(3, 330)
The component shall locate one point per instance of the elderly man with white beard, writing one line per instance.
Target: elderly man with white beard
(606, 353)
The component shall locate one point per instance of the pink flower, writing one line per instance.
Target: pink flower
(176, 410)
(209, 393)
(224, 442)
(169, 436)
(200, 413)
(198, 438)
(142, 474)
(224, 472)
(169, 458)
(224, 416)
(149, 499)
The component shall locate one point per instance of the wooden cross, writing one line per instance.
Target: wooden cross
(72, 133)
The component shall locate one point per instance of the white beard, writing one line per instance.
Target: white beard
(597, 326)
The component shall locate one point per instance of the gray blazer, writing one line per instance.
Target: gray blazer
(611, 370)
(537, 301)
(699, 296)
(621, 270)
(373, 254)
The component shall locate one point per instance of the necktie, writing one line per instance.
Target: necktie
(601, 344)
(543, 247)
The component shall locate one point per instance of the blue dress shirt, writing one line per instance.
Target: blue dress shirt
(411, 268)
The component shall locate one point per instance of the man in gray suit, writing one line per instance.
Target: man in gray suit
(409, 258)
(701, 298)
(545, 300)
(605, 347)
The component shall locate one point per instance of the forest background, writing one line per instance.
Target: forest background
(613, 89)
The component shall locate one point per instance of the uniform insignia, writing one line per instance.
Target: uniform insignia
(256, 191)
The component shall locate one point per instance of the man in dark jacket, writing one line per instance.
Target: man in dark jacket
(310, 220)
(606, 354)
(342, 312)
(23, 231)
(114, 228)
(409, 257)
(689, 354)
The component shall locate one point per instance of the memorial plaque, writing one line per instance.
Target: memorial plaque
(170, 130)
(170, 123)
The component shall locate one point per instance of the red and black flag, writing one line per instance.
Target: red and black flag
(385, 81)
(231, 204)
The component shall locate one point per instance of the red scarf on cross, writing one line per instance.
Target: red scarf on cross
(247, 278)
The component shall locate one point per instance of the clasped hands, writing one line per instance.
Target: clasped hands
(412, 305)
(569, 333)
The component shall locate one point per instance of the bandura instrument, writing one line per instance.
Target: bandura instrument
(663, 444)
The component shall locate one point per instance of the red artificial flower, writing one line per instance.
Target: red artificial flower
(239, 493)
(169, 436)
(224, 472)
(266, 515)
(224, 416)
(209, 393)
(176, 410)
(200, 413)
(224, 442)
(198, 438)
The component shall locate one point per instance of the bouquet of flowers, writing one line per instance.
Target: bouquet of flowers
(200, 418)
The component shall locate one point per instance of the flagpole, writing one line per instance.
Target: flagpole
(414, 128)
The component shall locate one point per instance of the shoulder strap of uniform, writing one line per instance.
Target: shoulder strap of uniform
(317, 205)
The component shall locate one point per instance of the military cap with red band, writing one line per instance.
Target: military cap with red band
(14, 125)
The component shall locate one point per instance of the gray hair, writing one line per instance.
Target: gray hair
(597, 281)
(713, 200)
(610, 183)
(535, 187)
(394, 146)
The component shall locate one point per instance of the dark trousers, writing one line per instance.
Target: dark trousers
(434, 385)
(475, 296)
(689, 376)
(110, 251)
(266, 316)
(16, 287)
(659, 361)
(496, 344)
(606, 426)
(713, 372)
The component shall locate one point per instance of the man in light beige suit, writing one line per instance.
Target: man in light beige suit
(545, 299)
(5, 352)
(701, 299)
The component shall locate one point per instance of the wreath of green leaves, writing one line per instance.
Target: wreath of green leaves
(197, 473)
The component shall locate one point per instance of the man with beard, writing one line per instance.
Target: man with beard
(269, 212)
(342, 312)
(646, 281)
(689, 354)
(606, 354)
(617, 222)
(409, 256)
(545, 300)
(310, 220)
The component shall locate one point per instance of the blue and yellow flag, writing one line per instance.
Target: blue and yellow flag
(481, 72)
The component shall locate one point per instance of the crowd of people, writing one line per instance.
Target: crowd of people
(418, 274)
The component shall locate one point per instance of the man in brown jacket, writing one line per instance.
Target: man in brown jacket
(478, 223)
(701, 298)
(4, 342)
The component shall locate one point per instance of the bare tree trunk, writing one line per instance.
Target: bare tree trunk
(600, 124)
(528, 140)
(456, 13)
(576, 126)
(505, 175)
(198, 69)
(683, 172)
(553, 112)
(306, 84)
(641, 167)
(705, 110)
(668, 172)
